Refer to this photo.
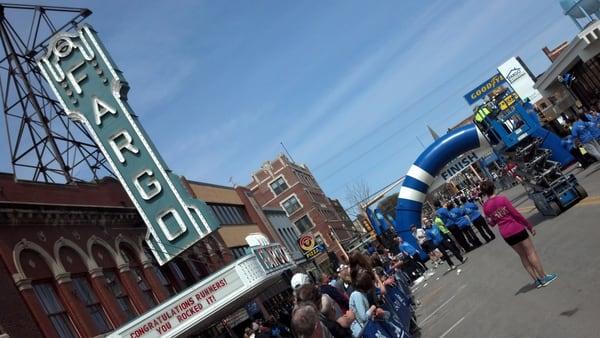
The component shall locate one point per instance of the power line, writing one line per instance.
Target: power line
(422, 97)
(446, 98)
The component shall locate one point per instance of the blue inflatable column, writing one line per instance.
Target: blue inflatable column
(422, 173)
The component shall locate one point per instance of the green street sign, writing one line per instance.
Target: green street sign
(92, 91)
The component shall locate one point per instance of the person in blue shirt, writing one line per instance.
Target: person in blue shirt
(452, 225)
(410, 259)
(477, 219)
(594, 117)
(441, 211)
(437, 241)
(584, 161)
(585, 133)
(457, 212)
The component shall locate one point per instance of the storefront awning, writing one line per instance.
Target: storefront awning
(212, 299)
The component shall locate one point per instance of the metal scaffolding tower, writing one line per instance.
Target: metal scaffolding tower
(45, 145)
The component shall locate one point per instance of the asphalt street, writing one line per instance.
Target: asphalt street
(491, 295)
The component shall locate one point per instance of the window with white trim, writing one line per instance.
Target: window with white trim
(278, 186)
(291, 205)
(304, 224)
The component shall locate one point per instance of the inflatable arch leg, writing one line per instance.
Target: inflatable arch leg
(422, 173)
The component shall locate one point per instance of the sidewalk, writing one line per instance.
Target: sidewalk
(492, 296)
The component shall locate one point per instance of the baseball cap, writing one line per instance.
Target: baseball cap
(342, 267)
(300, 279)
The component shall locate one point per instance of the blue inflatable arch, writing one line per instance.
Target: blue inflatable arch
(424, 170)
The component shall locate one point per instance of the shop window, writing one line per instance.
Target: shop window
(304, 224)
(46, 295)
(87, 296)
(240, 251)
(116, 288)
(291, 205)
(279, 186)
(230, 214)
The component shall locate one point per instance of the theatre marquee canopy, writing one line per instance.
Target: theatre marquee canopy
(213, 298)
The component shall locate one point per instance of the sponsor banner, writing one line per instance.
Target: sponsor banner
(460, 164)
(92, 91)
(479, 92)
(519, 78)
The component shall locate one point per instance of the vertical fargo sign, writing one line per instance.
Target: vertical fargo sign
(93, 91)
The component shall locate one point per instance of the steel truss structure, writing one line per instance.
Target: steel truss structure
(45, 145)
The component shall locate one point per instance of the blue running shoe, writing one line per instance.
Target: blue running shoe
(549, 278)
(538, 283)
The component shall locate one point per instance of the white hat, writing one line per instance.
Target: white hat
(342, 267)
(300, 279)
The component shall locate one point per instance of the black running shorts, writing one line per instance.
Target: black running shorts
(517, 238)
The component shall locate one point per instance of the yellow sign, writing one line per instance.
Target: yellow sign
(307, 243)
(508, 101)
(315, 251)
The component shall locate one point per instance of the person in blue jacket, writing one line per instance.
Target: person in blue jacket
(585, 160)
(437, 242)
(458, 214)
(594, 117)
(477, 219)
(450, 224)
(441, 211)
(585, 133)
(410, 258)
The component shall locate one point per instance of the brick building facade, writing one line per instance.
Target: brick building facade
(281, 183)
(74, 260)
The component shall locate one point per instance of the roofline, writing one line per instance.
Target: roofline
(210, 184)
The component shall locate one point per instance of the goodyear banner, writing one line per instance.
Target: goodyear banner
(479, 92)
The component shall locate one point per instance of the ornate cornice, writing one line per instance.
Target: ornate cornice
(19, 215)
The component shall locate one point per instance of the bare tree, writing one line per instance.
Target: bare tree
(356, 194)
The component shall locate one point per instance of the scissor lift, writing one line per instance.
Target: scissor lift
(509, 127)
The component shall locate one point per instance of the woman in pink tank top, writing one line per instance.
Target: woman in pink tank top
(513, 227)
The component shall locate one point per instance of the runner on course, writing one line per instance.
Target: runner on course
(513, 228)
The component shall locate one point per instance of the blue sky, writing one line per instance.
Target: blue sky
(348, 86)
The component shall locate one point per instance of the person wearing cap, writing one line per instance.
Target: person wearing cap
(300, 279)
(338, 282)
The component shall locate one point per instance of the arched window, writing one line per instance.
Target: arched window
(135, 266)
(36, 268)
(105, 259)
(73, 262)
(164, 274)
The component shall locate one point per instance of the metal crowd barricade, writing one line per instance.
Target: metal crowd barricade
(397, 301)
